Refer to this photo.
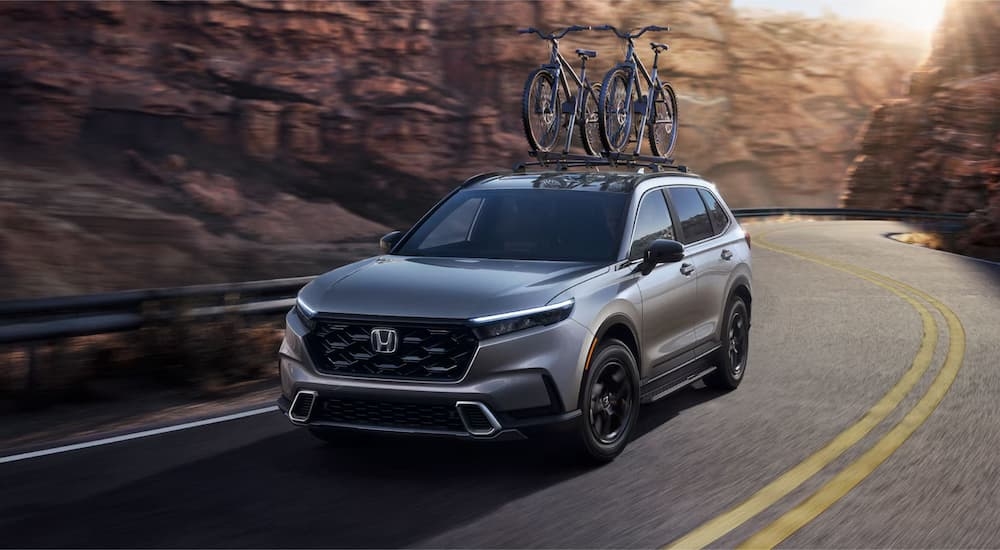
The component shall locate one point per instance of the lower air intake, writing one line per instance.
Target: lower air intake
(477, 419)
(302, 406)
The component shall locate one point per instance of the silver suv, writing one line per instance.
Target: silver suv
(527, 302)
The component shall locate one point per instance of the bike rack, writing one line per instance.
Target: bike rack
(564, 161)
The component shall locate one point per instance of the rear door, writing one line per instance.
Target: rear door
(669, 297)
(701, 223)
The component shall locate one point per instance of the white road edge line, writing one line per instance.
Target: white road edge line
(136, 435)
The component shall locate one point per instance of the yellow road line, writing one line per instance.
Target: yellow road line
(853, 474)
(774, 491)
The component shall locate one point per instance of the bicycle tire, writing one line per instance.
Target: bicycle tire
(542, 121)
(590, 126)
(663, 122)
(616, 111)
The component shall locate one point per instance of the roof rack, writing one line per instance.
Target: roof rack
(565, 161)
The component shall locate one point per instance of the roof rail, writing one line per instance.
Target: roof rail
(565, 161)
(480, 177)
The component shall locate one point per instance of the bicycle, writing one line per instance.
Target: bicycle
(545, 102)
(620, 100)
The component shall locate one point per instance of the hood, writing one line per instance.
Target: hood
(448, 288)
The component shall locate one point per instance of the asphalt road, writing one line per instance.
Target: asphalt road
(829, 342)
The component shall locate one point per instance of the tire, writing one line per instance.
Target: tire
(589, 121)
(542, 120)
(663, 122)
(616, 111)
(731, 360)
(609, 400)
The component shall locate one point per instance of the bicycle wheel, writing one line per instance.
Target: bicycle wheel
(590, 127)
(663, 122)
(542, 119)
(616, 109)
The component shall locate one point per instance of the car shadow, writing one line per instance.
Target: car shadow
(291, 490)
(655, 415)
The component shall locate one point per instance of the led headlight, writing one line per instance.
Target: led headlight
(305, 313)
(491, 326)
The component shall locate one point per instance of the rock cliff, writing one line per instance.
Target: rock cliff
(938, 147)
(244, 129)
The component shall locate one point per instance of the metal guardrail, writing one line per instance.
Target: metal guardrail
(34, 320)
(849, 213)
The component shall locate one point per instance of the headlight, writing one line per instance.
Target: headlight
(491, 326)
(305, 313)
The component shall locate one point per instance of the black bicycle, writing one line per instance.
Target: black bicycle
(547, 98)
(621, 100)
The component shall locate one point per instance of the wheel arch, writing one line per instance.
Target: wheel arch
(620, 327)
(740, 287)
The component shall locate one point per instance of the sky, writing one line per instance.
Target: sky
(919, 15)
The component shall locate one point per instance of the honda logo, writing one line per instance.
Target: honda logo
(384, 340)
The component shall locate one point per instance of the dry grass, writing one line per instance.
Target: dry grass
(928, 240)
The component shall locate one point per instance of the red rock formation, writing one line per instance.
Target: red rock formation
(937, 149)
(213, 112)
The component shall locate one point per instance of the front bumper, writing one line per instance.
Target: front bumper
(510, 429)
(517, 385)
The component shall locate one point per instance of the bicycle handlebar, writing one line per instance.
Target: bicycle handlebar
(554, 35)
(629, 34)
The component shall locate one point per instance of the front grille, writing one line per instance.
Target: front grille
(388, 414)
(440, 353)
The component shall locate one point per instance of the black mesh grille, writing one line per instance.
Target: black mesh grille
(423, 352)
(388, 414)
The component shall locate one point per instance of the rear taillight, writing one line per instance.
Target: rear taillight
(746, 235)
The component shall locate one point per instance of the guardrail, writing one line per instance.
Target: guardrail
(34, 320)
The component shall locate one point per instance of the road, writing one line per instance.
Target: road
(829, 343)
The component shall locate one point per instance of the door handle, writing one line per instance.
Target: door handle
(687, 269)
(727, 255)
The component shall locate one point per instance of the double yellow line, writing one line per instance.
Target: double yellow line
(833, 490)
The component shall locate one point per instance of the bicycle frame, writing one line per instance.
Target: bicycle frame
(644, 107)
(561, 68)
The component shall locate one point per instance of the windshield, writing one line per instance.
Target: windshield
(523, 224)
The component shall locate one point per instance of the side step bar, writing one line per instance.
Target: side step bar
(660, 393)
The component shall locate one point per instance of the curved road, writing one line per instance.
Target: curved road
(869, 418)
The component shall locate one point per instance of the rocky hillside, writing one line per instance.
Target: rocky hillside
(938, 148)
(184, 141)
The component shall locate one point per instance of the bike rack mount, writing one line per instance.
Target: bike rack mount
(564, 161)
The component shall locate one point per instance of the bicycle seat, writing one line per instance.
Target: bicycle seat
(586, 53)
(658, 47)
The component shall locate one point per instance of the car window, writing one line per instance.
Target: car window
(715, 212)
(691, 214)
(456, 227)
(651, 222)
(523, 224)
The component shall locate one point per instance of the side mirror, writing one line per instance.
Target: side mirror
(661, 251)
(389, 240)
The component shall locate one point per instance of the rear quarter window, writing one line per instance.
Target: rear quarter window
(720, 220)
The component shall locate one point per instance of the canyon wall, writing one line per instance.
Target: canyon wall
(231, 136)
(938, 147)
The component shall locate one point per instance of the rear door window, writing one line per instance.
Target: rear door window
(691, 214)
